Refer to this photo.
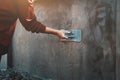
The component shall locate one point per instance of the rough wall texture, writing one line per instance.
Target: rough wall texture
(118, 41)
(45, 56)
(3, 63)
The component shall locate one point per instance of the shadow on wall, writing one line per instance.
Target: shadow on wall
(101, 39)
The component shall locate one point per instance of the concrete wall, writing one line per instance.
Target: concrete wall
(118, 41)
(3, 62)
(43, 55)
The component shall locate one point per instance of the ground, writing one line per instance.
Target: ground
(10, 74)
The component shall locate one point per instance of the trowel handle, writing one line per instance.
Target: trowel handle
(69, 35)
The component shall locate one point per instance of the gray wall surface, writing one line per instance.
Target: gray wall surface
(118, 41)
(45, 56)
(3, 62)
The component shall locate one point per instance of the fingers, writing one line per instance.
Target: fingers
(65, 37)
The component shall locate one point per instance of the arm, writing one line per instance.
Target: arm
(59, 33)
(28, 19)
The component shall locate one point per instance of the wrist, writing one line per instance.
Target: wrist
(57, 32)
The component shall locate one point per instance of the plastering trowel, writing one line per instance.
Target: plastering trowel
(73, 36)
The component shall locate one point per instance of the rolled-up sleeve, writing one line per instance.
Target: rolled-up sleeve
(27, 17)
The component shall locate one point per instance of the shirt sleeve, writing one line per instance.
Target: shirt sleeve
(27, 16)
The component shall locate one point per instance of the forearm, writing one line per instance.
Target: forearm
(56, 32)
(49, 30)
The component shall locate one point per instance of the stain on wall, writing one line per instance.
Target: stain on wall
(43, 55)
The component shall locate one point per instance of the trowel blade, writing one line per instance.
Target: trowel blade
(74, 36)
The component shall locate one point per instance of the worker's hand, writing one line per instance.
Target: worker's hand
(61, 34)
